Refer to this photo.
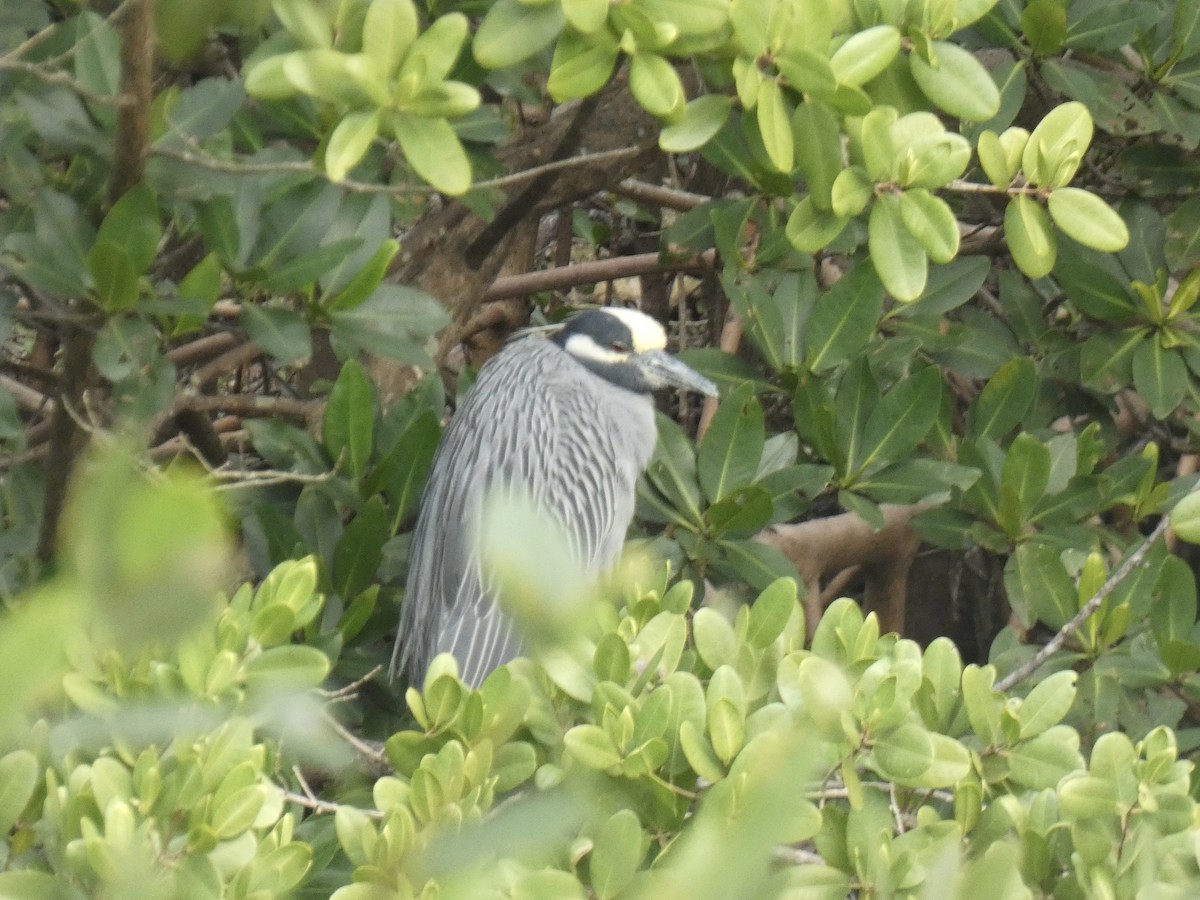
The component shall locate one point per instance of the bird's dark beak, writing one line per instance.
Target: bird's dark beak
(663, 370)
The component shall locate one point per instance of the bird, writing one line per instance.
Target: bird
(568, 420)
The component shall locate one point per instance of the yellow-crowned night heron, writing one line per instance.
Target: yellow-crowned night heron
(570, 422)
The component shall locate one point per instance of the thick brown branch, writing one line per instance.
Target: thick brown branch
(823, 547)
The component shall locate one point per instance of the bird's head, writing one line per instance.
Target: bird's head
(628, 348)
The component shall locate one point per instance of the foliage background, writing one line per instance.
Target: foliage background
(942, 261)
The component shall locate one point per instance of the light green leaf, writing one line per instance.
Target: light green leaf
(389, 28)
(1088, 219)
(19, 773)
(852, 191)
(306, 22)
(865, 54)
(818, 141)
(957, 83)
(1185, 518)
(1055, 149)
(434, 151)
(898, 257)
(582, 64)
(930, 220)
(701, 119)
(586, 16)
(349, 142)
(1030, 236)
(810, 229)
(1049, 701)
(513, 31)
(617, 853)
(655, 85)
(775, 125)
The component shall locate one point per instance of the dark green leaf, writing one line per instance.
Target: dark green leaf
(349, 424)
(901, 419)
(844, 319)
(732, 447)
(280, 332)
(1160, 376)
(1005, 399)
(360, 549)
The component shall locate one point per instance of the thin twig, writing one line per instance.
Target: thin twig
(1052, 646)
(510, 286)
(349, 691)
(571, 162)
(324, 806)
(371, 753)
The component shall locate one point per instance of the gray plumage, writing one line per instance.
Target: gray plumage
(568, 421)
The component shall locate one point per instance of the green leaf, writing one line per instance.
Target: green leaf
(929, 219)
(775, 125)
(700, 120)
(716, 644)
(730, 452)
(1005, 399)
(236, 814)
(349, 142)
(1055, 149)
(844, 319)
(592, 746)
(1088, 219)
(280, 332)
(389, 29)
(1185, 518)
(306, 22)
(365, 281)
(810, 229)
(291, 666)
(956, 82)
(1049, 701)
(349, 423)
(394, 322)
(897, 255)
(586, 16)
(1023, 482)
(133, 224)
(1038, 586)
(851, 192)
(1043, 761)
(512, 32)
(982, 703)
(904, 753)
(865, 54)
(582, 65)
(434, 151)
(359, 550)
(1045, 24)
(1160, 376)
(901, 418)
(771, 612)
(617, 853)
(656, 86)
(19, 772)
(726, 728)
(1030, 238)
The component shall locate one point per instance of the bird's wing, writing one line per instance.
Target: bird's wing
(534, 420)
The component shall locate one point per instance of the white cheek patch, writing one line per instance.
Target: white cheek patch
(647, 334)
(582, 346)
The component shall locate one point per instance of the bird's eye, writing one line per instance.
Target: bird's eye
(619, 346)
